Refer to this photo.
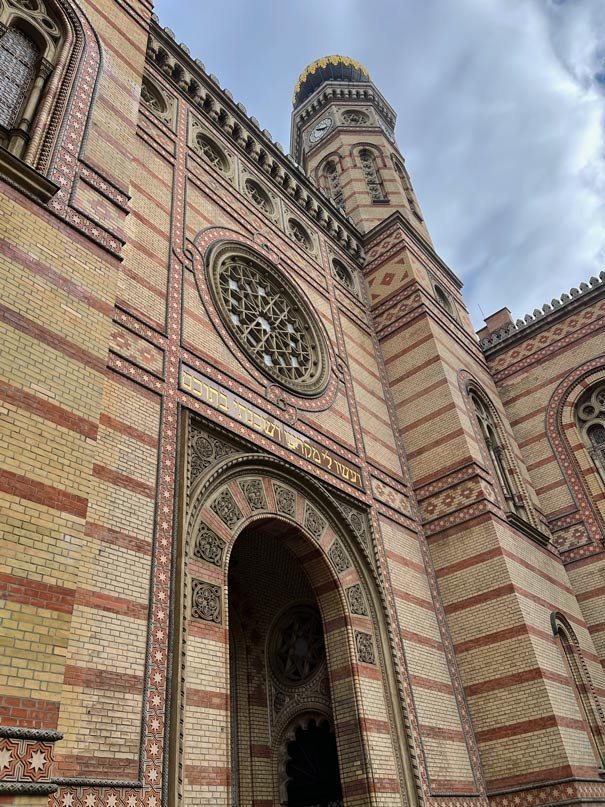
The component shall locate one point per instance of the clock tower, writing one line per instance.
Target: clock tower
(343, 135)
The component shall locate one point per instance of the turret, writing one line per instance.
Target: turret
(343, 134)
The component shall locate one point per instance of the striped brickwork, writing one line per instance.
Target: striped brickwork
(548, 369)
(140, 580)
(489, 574)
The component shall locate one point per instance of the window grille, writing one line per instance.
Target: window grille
(590, 414)
(19, 57)
(334, 187)
(371, 175)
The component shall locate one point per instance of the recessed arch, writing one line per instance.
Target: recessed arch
(309, 522)
(570, 449)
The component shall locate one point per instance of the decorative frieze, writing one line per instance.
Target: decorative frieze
(313, 522)
(357, 602)
(226, 508)
(285, 500)
(339, 557)
(254, 493)
(230, 118)
(209, 546)
(26, 760)
(365, 647)
(206, 602)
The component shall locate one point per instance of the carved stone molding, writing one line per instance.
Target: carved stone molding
(358, 522)
(158, 102)
(209, 546)
(255, 493)
(365, 647)
(232, 121)
(339, 557)
(285, 500)
(206, 602)
(356, 600)
(204, 451)
(226, 508)
(313, 522)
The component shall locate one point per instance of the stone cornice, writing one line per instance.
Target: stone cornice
(506, 337)
(25, 178)
(203, 91)
(398, 218)
(338, 92)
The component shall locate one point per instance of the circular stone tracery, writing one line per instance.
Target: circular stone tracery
(297, 648)
(271, 323)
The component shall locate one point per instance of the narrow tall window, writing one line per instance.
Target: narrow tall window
(583, 687)
(19, 57)
(372, 177)
(497, 453)
(591, 421)
(406, 185)
(333, 186)
(30, 41)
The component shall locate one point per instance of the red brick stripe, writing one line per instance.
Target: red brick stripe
(599, 591)
(543, 775)
(48, 337)
(45, 495)
(207, 775)
(442, 733)
(107, 602)
(477, 599)
(111, 536)
(36, 594)
(432, 684)
(520, 677)
(80, 765)
(123, 481)
(22, 399)
(127, 430)
(418, 638)
(529, 727)
(32, 713)
(207, 699)
(92, 678)
(413, 599)
(52, 276)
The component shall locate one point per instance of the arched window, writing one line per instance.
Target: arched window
(490, 430)
(582, 685)
(590, 414)
(30, 41)
(372, 176)
(406, 185)
(332, 182)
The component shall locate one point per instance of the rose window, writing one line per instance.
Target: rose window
(298, 646)
(271, 323)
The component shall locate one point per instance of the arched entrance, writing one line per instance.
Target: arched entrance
(283, 742)
(266, 558)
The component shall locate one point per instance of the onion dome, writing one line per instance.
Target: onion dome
(330, 68)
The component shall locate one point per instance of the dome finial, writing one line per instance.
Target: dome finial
(328, 68)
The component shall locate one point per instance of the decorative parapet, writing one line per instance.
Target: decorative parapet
(504, 335)
(204, 92)
(26, 761)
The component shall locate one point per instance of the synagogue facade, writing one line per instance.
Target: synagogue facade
(278, 528)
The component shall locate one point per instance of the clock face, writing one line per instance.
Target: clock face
(387, 130)
(320, 129)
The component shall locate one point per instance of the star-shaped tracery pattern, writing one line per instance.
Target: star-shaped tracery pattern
(270, 323)
(298, 646)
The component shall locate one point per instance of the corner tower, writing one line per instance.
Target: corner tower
(343, 134)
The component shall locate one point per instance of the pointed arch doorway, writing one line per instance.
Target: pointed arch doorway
(284, 748)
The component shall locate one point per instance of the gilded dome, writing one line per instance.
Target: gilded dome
(329, 68)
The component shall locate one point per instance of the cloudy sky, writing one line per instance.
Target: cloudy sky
(501, 111)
